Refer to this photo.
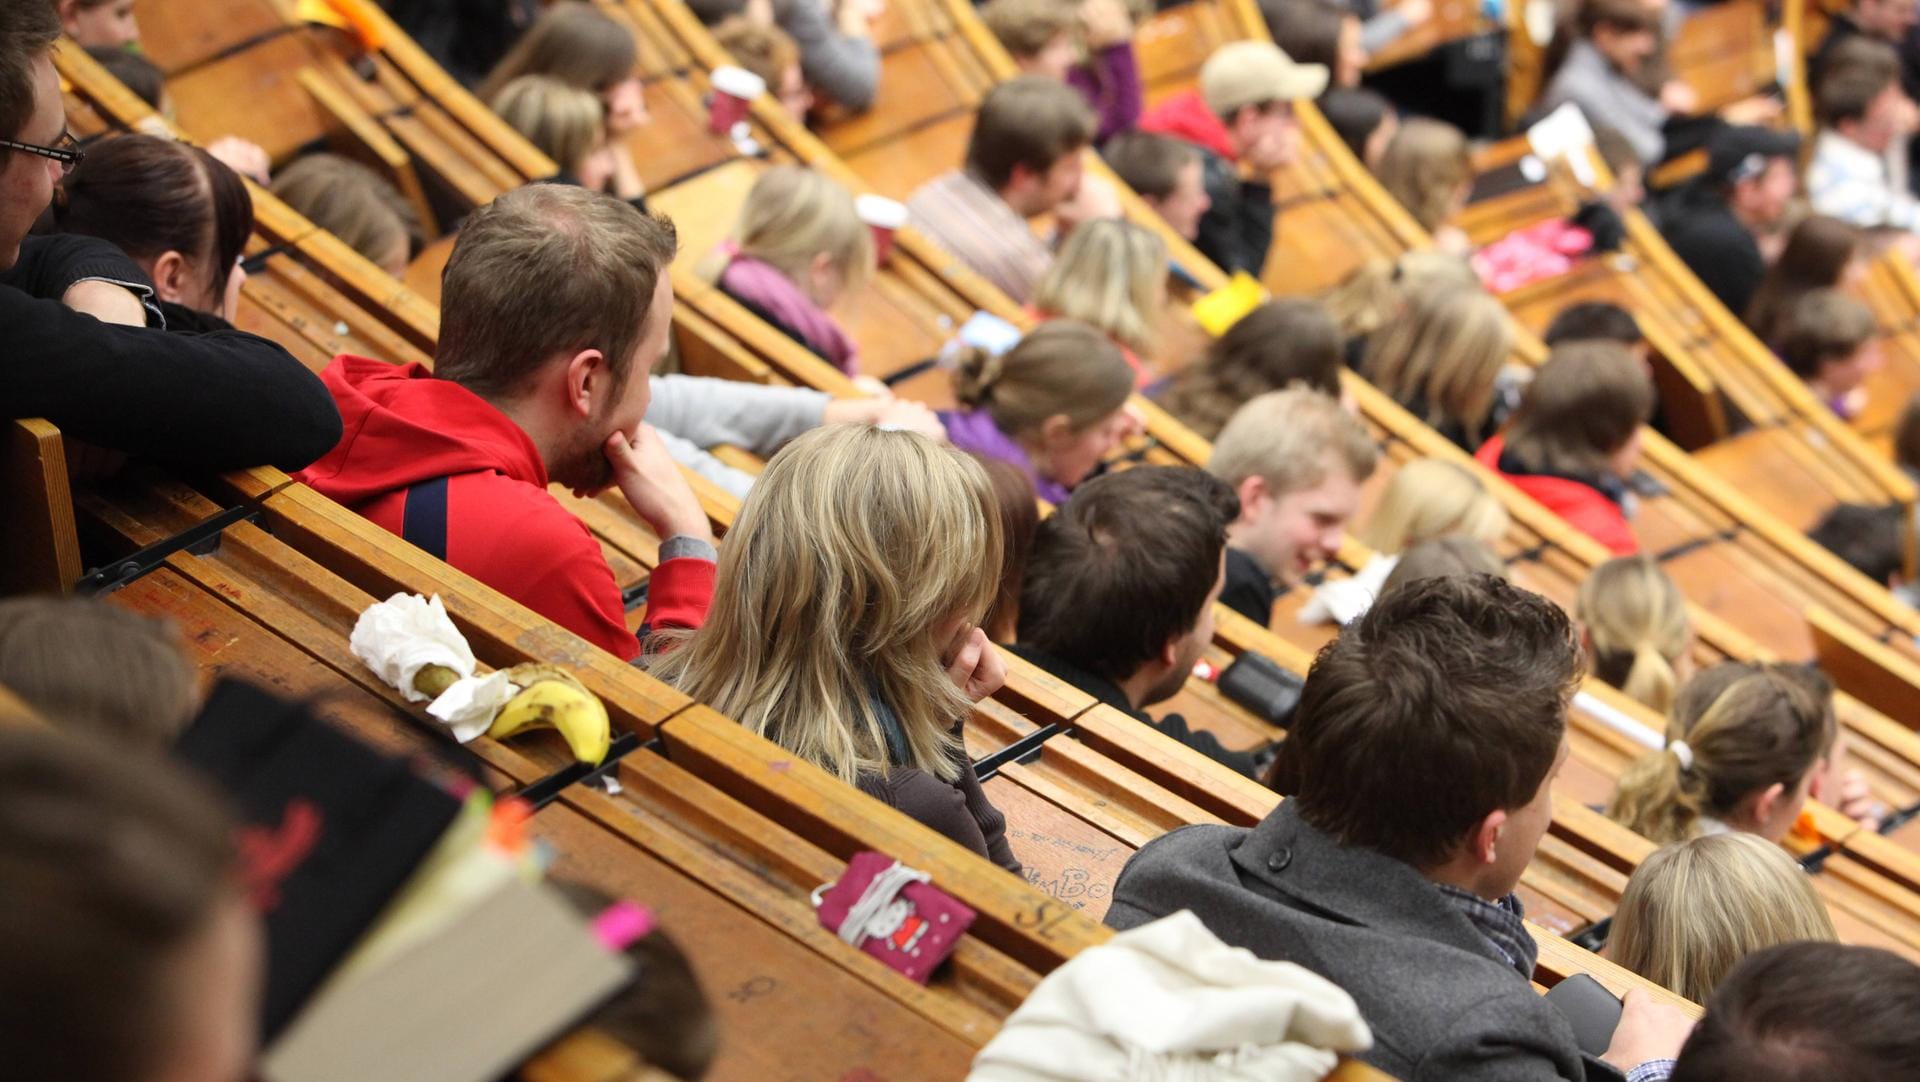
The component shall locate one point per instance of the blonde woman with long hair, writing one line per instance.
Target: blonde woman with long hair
(578, 44)
(1745, 765)
(1375, 294)
(1634, 622)
(1441, 358)
(1693, 909)
(1428, 168)
(1428, 499)
(1111, 275)
(565, 122)
(845, 621)
(797, 249)
(1053, 405)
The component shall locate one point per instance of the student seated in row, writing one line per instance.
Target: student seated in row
(769, 52)
(837, 52)
(1364, 121)
(1694, 909)
(1296, 459)
(1864, 116)
(1120, 589)
(1419, 775)
(1054, 406)
(846, 621)
(583, 47)
(1871, 540)
(1240, 119)
(1112, 276)
(555, 304)
(1745, 760)
(1049, 37)
(796, 250)
(1427, 500)
(1440, 356)
(1718, 224)
(1830, 342)
(1773, 1018)
(1284, 342)
(356, 205)
(1428, 169)
(1820, 253)
(1166, 173)
(1576, 439)
(1023, 161)
(79, 349)
(1313, 32)
(1636, 630)
(565, 122)
(184, 217)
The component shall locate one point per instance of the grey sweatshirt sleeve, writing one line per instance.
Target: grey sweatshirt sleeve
(846, 69)
(709, 412)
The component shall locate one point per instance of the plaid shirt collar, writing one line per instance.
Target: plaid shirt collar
(1500, 922)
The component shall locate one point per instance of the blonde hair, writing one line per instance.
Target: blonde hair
(766, 51)
(564, 121)
(1424, 166)
(1765, 728)
(1112, 275)
(1692, 910)
(1431, 498)
(1374, 294)
(574, 41)
(1440, 357)
(1060, 368)
(856, 547)
(793, 214)
(1637, 627)
(1291, 440)
(350, 201)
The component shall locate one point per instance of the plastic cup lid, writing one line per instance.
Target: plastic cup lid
(738, 83)
(881, 212)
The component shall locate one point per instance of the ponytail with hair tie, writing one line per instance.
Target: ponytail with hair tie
(1684, 753)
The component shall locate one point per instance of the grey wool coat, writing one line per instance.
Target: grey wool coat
(1443, 1004)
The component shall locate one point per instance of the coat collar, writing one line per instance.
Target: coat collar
(1305, 869)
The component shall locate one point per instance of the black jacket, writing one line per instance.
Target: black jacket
(212, 401)
(1249, 590)
(1237, 229)
(1172, 725)
(1717, 248)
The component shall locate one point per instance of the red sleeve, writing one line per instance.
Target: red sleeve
(1601, 520)
(678, 593)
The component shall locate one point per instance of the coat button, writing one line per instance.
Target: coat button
(1280, 859)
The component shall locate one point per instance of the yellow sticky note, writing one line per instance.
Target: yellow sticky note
(1223, 307)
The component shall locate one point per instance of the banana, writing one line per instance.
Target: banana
(553, 698)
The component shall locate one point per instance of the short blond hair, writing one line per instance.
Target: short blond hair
(1292, 440)
(1111, 275)
(1431, 498)
(1026, 26)
(1694, 909)
(564, 121)
(793, 214)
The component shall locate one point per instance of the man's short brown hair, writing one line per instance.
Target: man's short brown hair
(1148, 162)
(1028, 120)
(1859, 69)
(28, 28)
(546, 269)
(1825, 325)
(1583, 405)
(1125, 567)
(1446, 702)
(1026, 26)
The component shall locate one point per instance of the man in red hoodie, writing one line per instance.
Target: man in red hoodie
(555, 304)
(1242, 121)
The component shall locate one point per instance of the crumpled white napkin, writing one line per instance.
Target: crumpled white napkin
(398, 637)
(469, 705)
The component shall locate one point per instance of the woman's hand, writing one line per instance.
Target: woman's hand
(973, 665)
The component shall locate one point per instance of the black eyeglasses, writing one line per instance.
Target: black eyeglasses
(67, 152)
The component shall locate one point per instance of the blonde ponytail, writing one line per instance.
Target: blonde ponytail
(1660, 798)
(1637, 628)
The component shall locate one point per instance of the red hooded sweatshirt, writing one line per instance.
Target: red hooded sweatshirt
(1583, 506)
(1185, 116)
(403, 426)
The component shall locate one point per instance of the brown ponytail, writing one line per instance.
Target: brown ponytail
(1060, 368)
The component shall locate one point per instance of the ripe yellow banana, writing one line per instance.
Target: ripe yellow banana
(553, 699)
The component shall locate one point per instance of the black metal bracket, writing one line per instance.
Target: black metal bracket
(1687, 548)
(989, 765)
(546, 790)
(1593, 936)
(634, 596)
(199, 539)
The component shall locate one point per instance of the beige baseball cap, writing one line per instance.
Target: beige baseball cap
(1256, 72)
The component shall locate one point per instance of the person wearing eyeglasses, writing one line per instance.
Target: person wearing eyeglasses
(76, 346)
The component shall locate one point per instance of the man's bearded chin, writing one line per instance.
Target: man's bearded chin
(583, 467)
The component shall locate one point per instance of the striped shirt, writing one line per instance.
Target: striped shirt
(971, 221)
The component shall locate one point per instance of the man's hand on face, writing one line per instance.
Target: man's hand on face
(647, 475)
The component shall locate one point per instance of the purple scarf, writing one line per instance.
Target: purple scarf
(774, 293)
(973, 431)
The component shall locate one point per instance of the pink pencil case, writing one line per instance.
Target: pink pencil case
(893, 913)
